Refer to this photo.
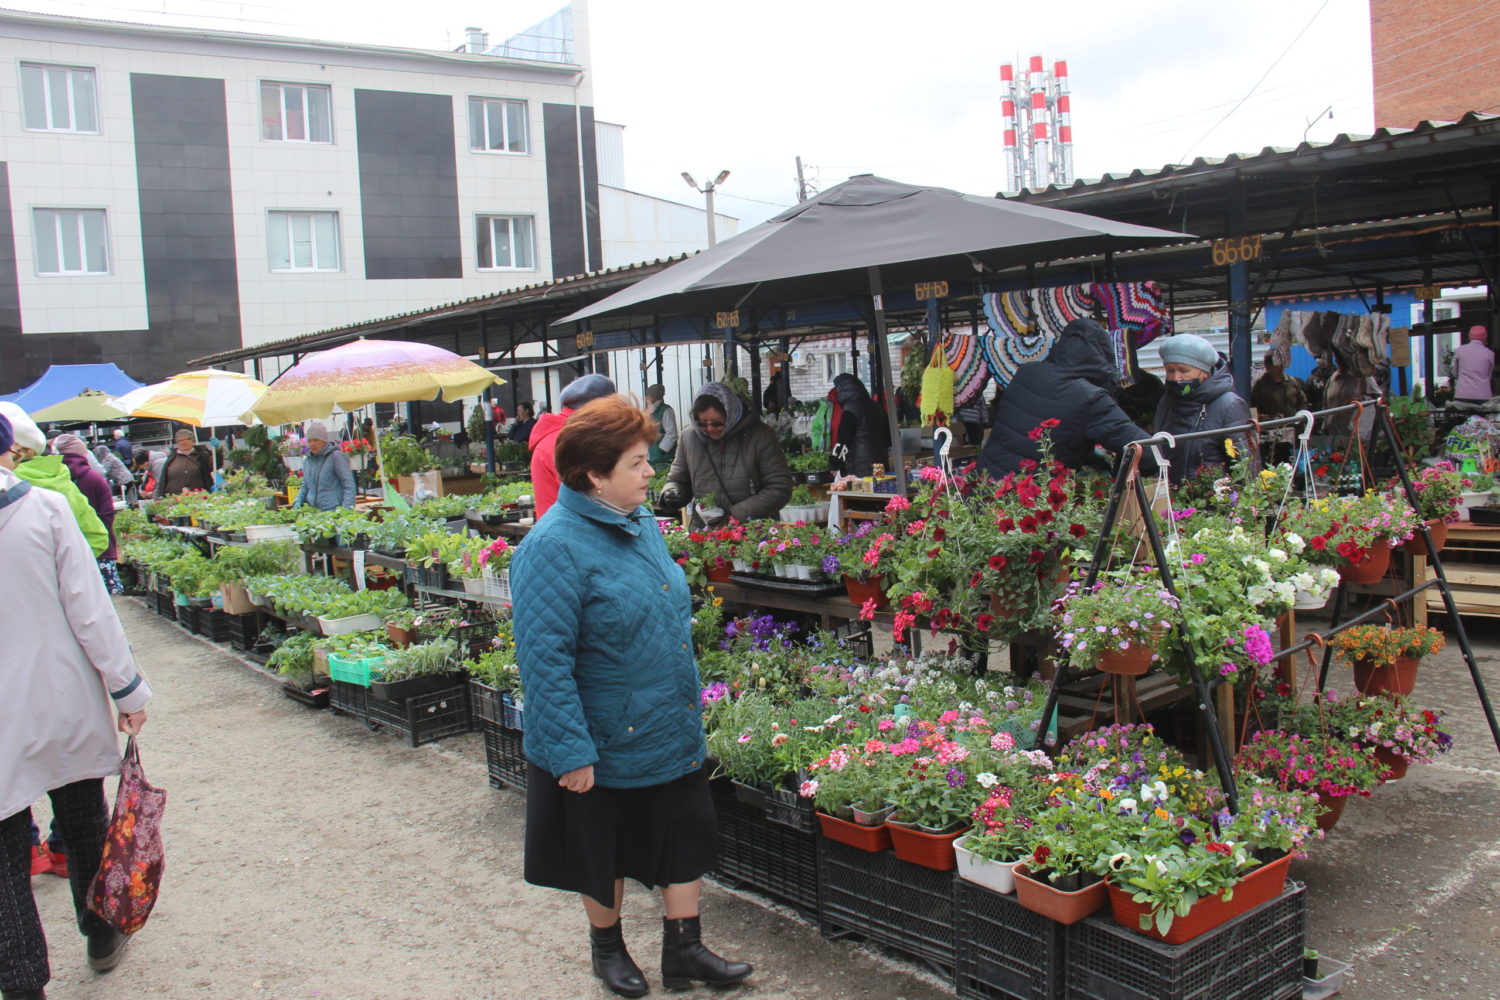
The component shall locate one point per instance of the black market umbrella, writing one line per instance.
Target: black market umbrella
(861, 235)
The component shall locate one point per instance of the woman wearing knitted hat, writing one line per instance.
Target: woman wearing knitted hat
(70, 681)
(1200, 396)
(95, 488)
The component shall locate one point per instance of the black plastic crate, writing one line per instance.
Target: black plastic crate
(187, 617)
(484, 703)
(1255, 956)
(349, 699)
(503, 758)
(785, 806)
(424, 718)
(858, 638)
(164, 605)
(903, 906)
(1006, 952)
(244, 629)
(765, 856)
(214, 624)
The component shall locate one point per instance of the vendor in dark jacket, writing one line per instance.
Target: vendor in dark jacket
(190, 466)
(1200, 396)
(864, 435)
(1075, 385)
(730, 456)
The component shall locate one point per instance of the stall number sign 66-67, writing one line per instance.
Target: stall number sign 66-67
(1246, 248)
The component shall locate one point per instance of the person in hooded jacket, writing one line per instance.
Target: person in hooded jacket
(70, 681)
(543, 438)
(729, 456)
(1200, 396)
(864, 435)
(95, 488)
(1075, 386)
(115, 472)
(47, 471)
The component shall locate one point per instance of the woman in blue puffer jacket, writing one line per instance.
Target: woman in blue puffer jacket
(616, 786)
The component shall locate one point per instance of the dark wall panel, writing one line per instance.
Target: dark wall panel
(564, 206)
(591, 191)
(187, 239)
(408, 180)
(13, 365)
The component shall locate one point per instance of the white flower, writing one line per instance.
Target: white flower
(1129, 806)
(1277, 555)
(986, 779)
(1295, 542)
(1153, 792)
(1262, 566)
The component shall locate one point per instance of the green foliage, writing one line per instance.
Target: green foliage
(263, 460)
(404, 456)
(419, 660)
(811, 461)
(240, 562)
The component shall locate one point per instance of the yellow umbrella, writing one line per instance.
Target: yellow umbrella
(206, 398)
(369, 371)
(90, 406)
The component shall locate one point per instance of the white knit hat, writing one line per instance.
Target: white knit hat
(27, 433)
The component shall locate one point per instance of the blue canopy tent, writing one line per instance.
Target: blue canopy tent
(60, 382)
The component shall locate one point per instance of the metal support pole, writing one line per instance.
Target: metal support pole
(1429, 345)
(755, 383)
(484, 401)
(1239, 297)
(877, 298)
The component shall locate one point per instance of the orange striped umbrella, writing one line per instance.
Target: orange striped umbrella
(369, 371)
(206, 398)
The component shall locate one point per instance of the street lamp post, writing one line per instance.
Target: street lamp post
(708, 193)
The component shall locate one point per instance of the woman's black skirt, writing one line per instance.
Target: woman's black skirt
(659, 835)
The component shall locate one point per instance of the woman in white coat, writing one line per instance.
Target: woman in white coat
(69, 681)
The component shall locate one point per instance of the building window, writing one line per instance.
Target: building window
(506, 242)
(834, 364)
(497, 126)
(303, 241)
(295, 112)
(59, 98)
(71, 241)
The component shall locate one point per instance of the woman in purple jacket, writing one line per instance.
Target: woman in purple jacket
(95, 489)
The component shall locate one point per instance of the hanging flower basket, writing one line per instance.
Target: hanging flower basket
(1395, 765)
(1399, 677)
(1438, 528)
(1133, 661)
(1335, 807)
(1372, 569)
(861, 591)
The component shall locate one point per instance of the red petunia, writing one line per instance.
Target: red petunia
(984, 621)
(1050, 423)
(1319, 542)
(1347, 549)
(1027, 465)
(1077, 530)
(1037, 555)
(1028, 524)
(1035, 433)
(1005, 525)
(939, 534)
(1044, 517)
(998, 562)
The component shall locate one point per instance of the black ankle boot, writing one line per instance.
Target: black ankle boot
(613, 964)
(37, 994)
(684, 960)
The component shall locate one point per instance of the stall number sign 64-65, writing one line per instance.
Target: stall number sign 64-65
(1246, 248)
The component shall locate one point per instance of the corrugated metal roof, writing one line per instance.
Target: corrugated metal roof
(1270, 157)
(540, 291)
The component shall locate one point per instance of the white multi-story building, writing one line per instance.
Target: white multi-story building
(169, 192)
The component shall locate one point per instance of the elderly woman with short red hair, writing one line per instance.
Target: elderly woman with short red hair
(616, 787)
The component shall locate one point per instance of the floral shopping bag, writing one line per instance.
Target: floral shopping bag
(130, 870)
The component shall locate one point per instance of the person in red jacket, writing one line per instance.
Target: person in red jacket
(544, 481)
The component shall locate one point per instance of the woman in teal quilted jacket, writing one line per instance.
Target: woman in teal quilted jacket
(616, 786)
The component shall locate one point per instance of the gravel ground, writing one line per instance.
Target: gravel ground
(310, 858)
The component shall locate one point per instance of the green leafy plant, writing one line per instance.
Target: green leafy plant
(402, 455)
(810, 461)
(419, 660)
(801, 497)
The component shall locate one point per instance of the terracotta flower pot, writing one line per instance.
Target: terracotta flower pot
(400, 636)
(718, 574)
(1395, 765)
(866, 838)
(1372, 569)
(1393, 678)
(861, 591)
(1438, 528)
(1040, 896)
(1260, 886)
(930, 850)
(1335, 807)
(1130, 662)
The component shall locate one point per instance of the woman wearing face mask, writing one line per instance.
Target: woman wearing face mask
(1199, 396)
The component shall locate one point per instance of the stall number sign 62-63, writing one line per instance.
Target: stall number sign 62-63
(1246, 248)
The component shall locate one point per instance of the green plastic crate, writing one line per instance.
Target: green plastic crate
(360, 671)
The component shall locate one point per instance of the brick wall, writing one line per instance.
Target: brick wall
(1434, 60)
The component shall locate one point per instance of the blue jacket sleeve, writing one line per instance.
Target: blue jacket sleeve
(548, 615)
(345, 478)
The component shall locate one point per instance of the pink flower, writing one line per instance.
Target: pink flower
(1002, 741)
(885, 725)
(867, 610)
(931, 474)
(897, 503)
(808, 789)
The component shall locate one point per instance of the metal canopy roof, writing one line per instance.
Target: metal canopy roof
(1399, 208)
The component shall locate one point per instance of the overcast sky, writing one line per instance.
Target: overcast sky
(906, 90)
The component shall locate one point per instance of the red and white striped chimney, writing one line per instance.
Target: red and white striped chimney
(1064, 103)
(1011, 126)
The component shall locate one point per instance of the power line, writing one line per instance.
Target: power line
(1262, 79)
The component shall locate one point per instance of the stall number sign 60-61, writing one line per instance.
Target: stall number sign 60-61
(1246, 248)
